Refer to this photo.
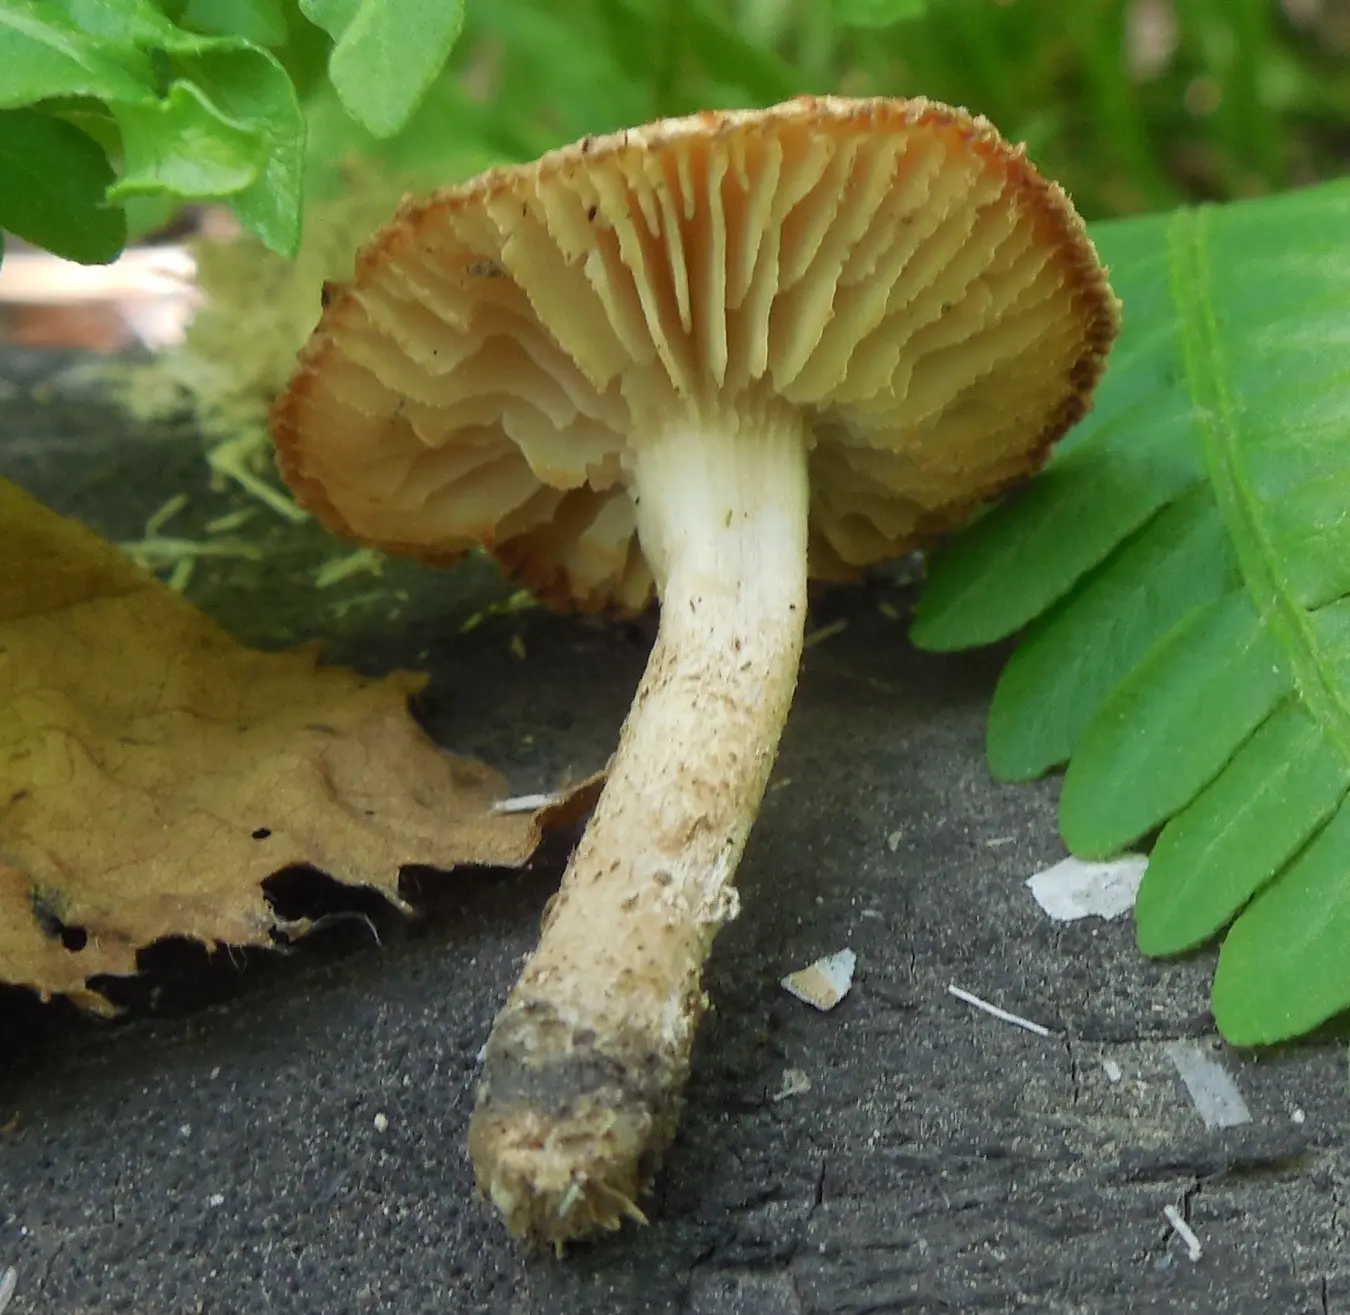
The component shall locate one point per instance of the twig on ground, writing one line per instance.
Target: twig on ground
(1015, 1019)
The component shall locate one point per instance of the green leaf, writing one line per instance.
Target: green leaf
(1278, 790)
(1075, 654)
(1169, 727)
(334, 16)
(185, 146)
(122, 23)
(1283, 969)
(55, 181)
(1022, 557)
(42, 58)
(262, 22)
(250, 87)
(1196, 671)
(387, 54)
(199, 115)
(878, 13)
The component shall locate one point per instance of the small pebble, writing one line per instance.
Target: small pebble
(381, 1122)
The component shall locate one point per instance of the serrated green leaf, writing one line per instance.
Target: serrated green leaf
(386, 55)
(1283, 969)
(183, 145)
(1171, 725)
(42, 58)
(55, 182)
(1073, 656)
(229, 126)
(252, 88)
(1278, 789)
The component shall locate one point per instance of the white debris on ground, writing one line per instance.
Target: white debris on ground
(995, 1012)
(527, 803)
(822, 633)
(795, 1082)
(1215, 1095)
(825, 983)
(9, 1282)
(1113, 1070)
(1073, 889)
(1184, 1231)
(381, 1122)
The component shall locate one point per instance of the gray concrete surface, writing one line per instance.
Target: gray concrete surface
(220, 1151)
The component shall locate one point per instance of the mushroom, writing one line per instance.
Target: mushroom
(706, 359)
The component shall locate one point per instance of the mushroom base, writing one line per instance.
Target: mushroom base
(588, 1058)
(575, 1141)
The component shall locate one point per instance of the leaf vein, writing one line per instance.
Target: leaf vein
(1216, 416)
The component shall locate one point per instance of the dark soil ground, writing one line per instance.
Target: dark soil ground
(220, 1151)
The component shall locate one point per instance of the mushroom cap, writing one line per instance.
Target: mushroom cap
(892, 270)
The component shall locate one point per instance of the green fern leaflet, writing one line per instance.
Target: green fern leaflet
(1180, 575)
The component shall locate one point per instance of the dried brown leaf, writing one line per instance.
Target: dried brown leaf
(153, 772)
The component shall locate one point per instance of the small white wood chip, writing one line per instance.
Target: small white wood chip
(822, 633)
(1184, 1231)
(526, 803)
(893, 840)
(825, 983)
(1113, 1072)
(1074, 889)
(795, 1082)
(1015, 1019)
(1215, 1095)
(9, 1282)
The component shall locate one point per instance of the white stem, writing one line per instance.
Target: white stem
(589, 1055)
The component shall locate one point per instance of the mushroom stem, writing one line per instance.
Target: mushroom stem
(588, 1058)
